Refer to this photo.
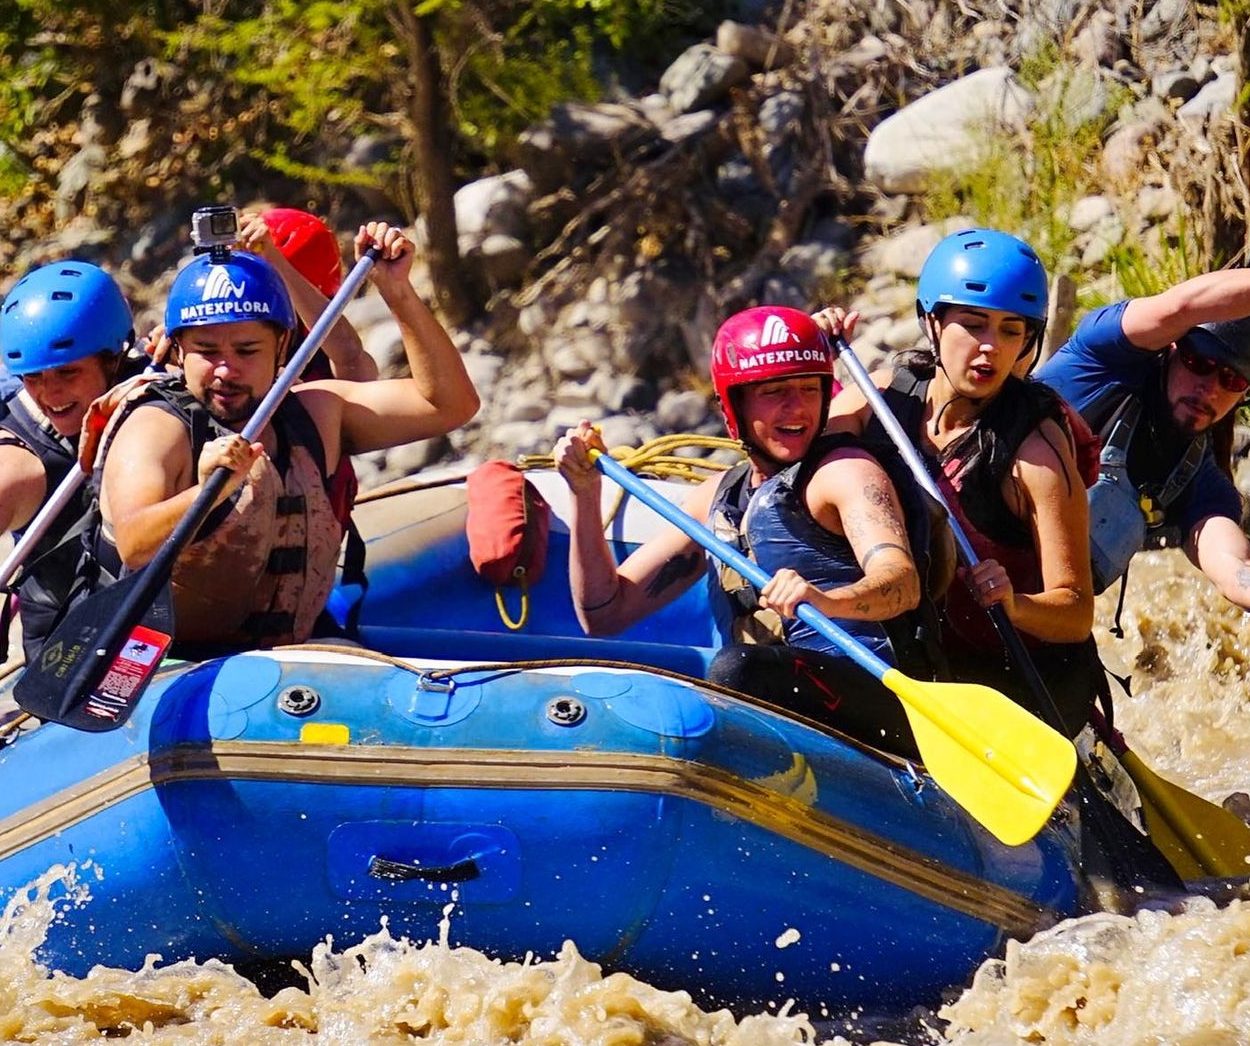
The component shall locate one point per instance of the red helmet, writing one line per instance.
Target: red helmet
(767, 343)
(308, 244)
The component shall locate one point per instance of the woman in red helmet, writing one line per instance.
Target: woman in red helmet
(773, 374)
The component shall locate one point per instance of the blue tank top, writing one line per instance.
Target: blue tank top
(782, 533)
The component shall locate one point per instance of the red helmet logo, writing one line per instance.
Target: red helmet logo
(767, 343)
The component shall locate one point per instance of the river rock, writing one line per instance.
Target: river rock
(408, 458)
(759, 48)
(688, 126)
(1174, 85)
(903, 253)
(700, 77)
(627, 430)
(1212, 102)
(578, 139)
(1089, 211)
(502, 260)
(384, 342)
(943, 130)
(494, 205)
(681, 410)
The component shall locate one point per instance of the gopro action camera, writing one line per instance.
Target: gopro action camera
(214, 227)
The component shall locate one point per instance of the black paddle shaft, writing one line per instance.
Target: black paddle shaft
(79, 653)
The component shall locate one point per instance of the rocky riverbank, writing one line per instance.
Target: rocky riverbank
(801, 159)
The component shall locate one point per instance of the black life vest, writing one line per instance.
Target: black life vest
(47, 576)
(748, 621)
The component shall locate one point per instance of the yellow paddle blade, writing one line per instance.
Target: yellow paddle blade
(999, 762)
(1199, 839)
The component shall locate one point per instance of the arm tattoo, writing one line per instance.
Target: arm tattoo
(881, 547)
(1243, 577)
(877, 510)
(676, 569)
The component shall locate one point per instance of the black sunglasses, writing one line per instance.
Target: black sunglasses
(1202, 366)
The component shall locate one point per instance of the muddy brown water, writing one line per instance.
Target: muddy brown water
(1160, 977)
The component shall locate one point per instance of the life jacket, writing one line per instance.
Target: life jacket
(738, 616)
(343, 488)
(47, 577)
(992, 529)
(1127, 516)
(783, 533)
(260, 569)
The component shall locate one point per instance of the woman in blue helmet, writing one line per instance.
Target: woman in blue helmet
(64, 331)
(1002, 451)
(259, 571)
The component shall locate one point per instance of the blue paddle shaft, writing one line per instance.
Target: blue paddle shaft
(729, 555)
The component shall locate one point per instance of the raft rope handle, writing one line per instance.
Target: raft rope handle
(502, 607)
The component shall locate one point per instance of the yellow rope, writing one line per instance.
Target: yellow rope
(656, 458)
(502, 607)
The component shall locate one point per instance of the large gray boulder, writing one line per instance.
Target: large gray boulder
(945, 130)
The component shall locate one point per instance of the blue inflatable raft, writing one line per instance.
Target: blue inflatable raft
(545, 785)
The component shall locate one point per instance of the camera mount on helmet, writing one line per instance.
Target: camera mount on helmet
(214, 230)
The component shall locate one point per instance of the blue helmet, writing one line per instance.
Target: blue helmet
(60, 313)
(239, 288)
(986, 269)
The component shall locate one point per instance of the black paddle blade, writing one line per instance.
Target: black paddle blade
(1120, 864)
(93, 669)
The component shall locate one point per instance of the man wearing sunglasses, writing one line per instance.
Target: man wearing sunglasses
(1159, 378)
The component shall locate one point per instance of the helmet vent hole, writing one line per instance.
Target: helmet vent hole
(63, 343)
(62, 296)
(978, 287)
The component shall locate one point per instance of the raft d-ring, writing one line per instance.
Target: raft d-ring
(299, 700)
(917, 782)
(565, 711)
(427, 682)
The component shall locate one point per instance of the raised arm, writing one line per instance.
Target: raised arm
(1219, 548)
(1156, 321)
(608, 599)
(438, 396)
(343, 348)
(849, 410)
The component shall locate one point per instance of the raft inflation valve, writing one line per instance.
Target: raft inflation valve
(565, 711)
(299, 700)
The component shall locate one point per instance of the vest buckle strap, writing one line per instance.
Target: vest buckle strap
(290, 505)
(286, 560)
(263, 623)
